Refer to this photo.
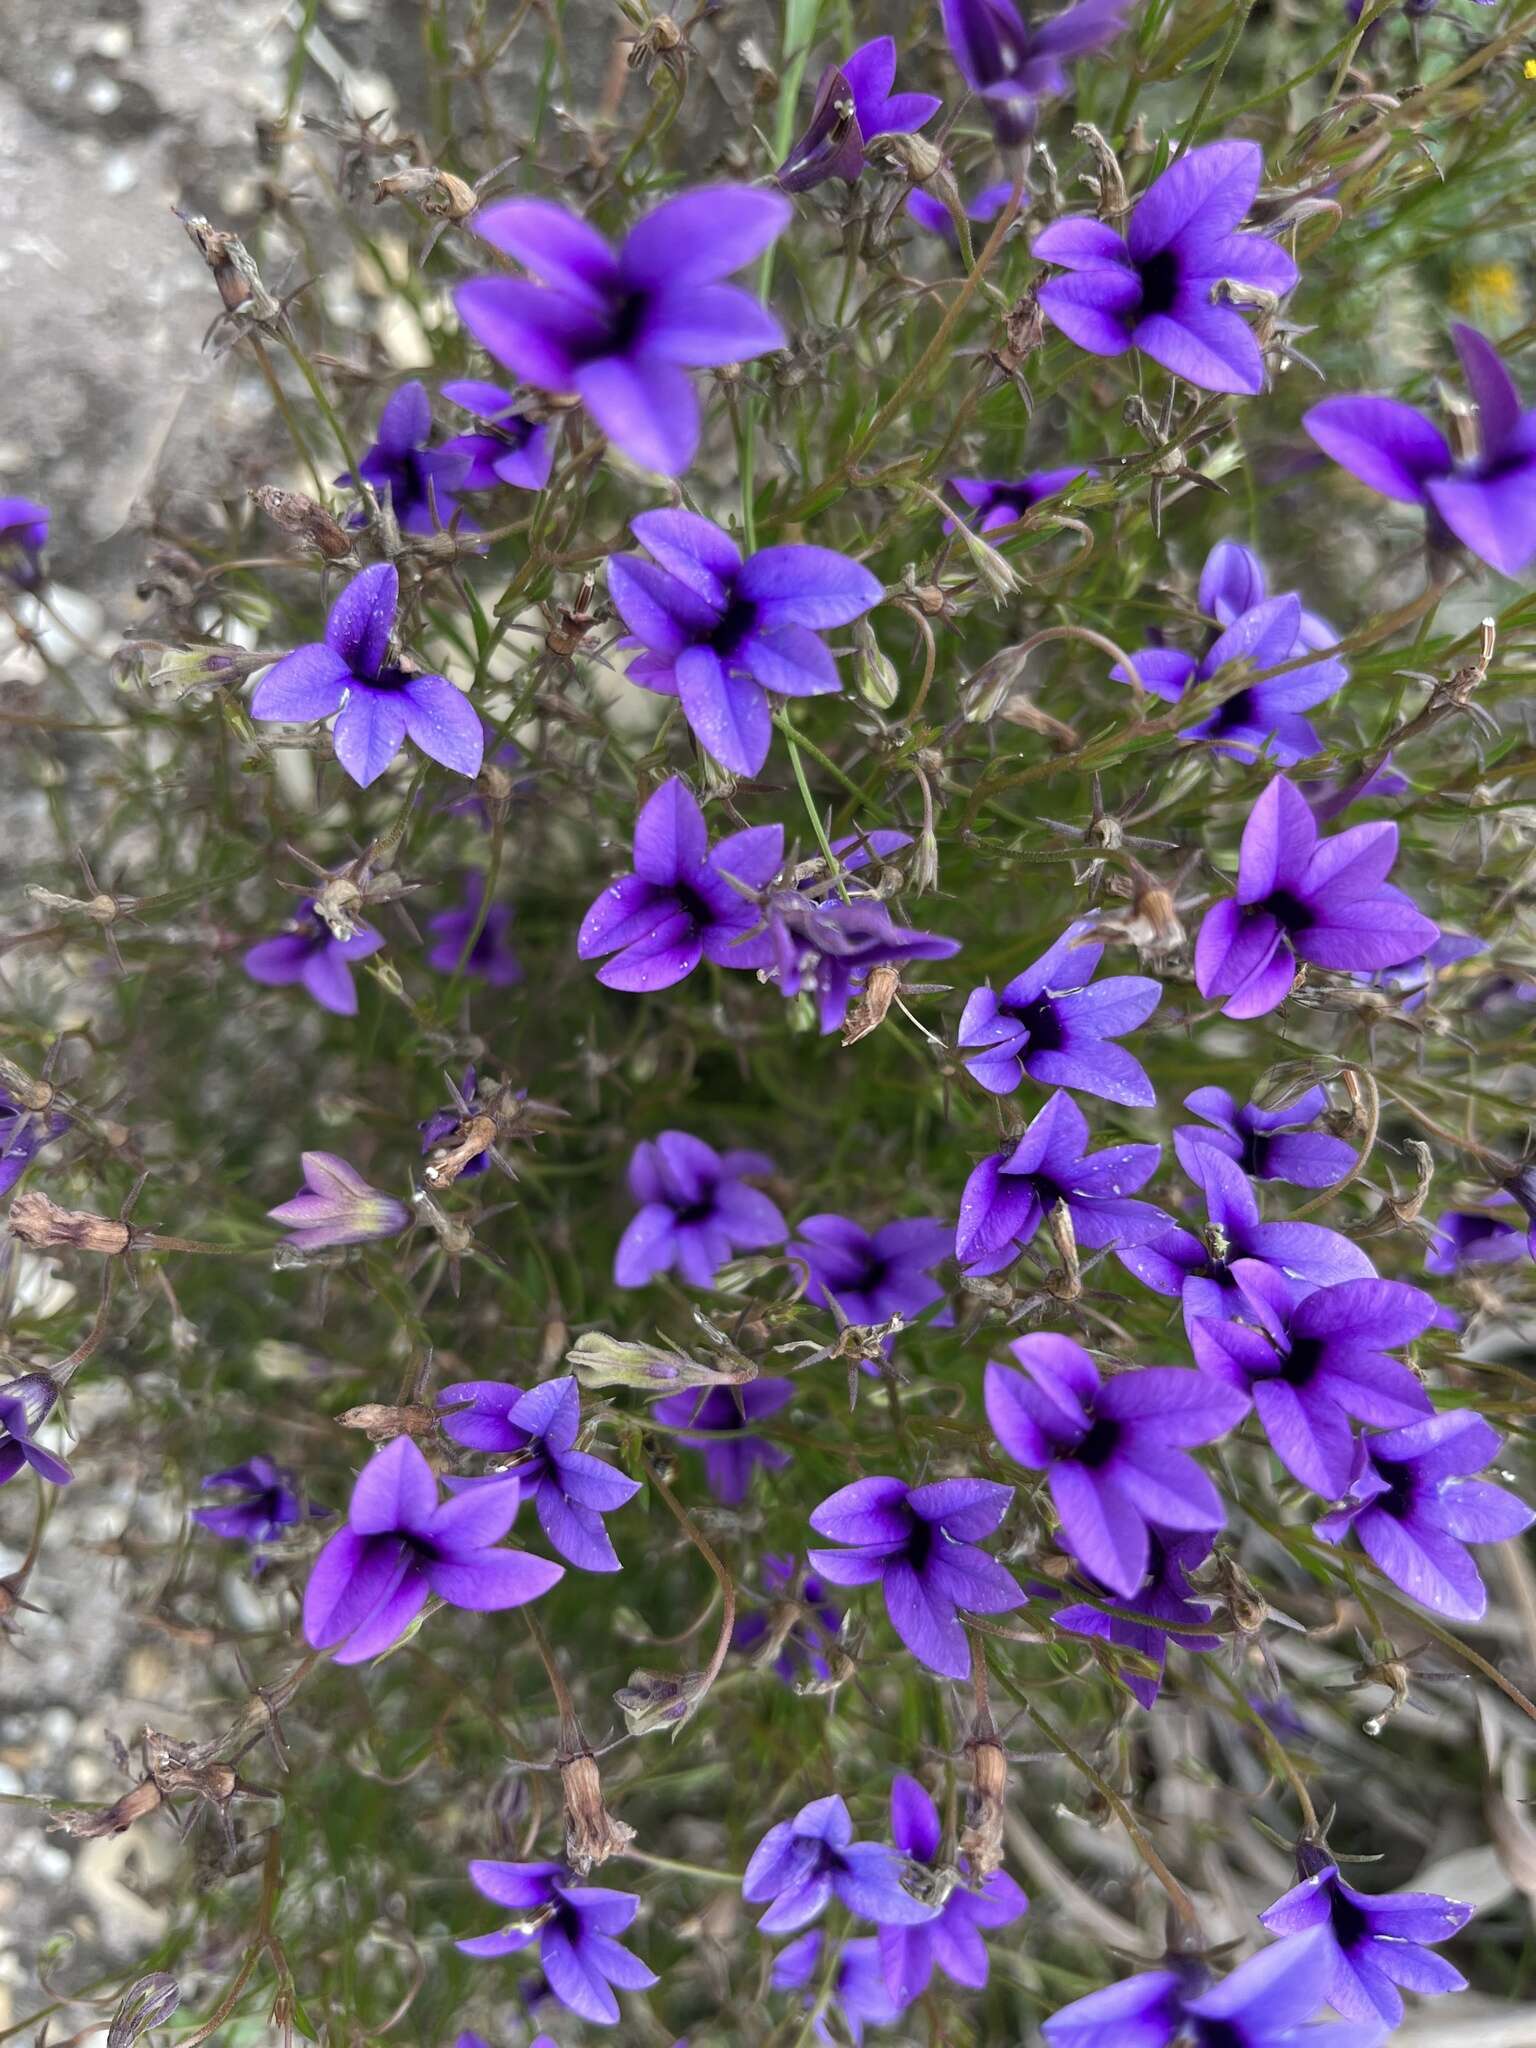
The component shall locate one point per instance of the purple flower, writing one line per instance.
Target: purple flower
(805, 1863)
(854, 103)
(1376, 1942)
(872, 1277)
(1156, 289)
(381, 703)
(859, 1990)
(1168, 1601)
(570, 1489)
(721, 1420)
(506, 446)
(23, 1134)
(951, 1942)
(1464, 1238)
(1009, 1195)
(696, 1210)
(1050, 1024)
(420, 482)
(1487, 502)
(998, 503)
(919, 1544)
(719, 633)
(25, 1403)
(826, 949)
(310, 953)
(623, 330)
(1266, 632)
(932, 215)
(491, 958)
(1415, 1508)
(23, 536)
(575, 1927)
(1270, 1144)
(267, 1502)
(1418, 980)
(337, 1206)
(1311, 1365)
(1012, 63)
(678, 907)
(399, 1544)
(1197, 1270)
(1331, 795)
(1300, 898)
(1265, 2003)
(1116, 1452)
(812, 1618)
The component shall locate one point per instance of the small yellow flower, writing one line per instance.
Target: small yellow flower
(1530, 67)
(1488, 293)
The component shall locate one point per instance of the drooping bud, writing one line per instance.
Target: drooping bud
(874, 672)
(603, 1361)
(660, 1699)
(148, 2002)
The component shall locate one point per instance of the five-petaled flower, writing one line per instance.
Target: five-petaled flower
(1009, 1195)
(872, 1276)
(1156, 288)
(478, 945)
(380, 702)
(696, 1209)
(1270, 1144)
(1325, 901)
(420, 481)
(505, 445)
(576, 1928)
(719, 632)
(1311, 1365)
(1051, 1024)
(718, 1421)
(1167, 1600)
(310, 953)
(266, 1502)
(919, 1545)
(622, 329)
(854, 103)
(1377, 1941)
(1487, 502)
(400, 1544)
(858, 1988)
(1463, 1237)
(25, 1404)
(337, 1207)
(678, 906)
(1415, 1506)
(571, 1490)
(1116, 1451)
(951, 1941)
(801, 1865)
(1012, 63)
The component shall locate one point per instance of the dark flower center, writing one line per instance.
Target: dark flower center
(693, 904)
(1306, 1355)
(1040, 1020)
(1350, 1925)
(626, 320)
(1160, 281)
(699, 1211)
(1288, 911)
(737, 622)
(390, 677)
(920, 1543)
(1402, 1489)
(1098, 1446)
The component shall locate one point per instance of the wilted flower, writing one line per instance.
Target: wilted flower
(1013, 63)
(337, 1207)
(1377, 1941)
(1415, 1508)
(570, 1489)
(505, 447)
(678, 908)
(918, 1544)
(719, 1421)
(854, 103)
(696, 1210)
(1299, 897)
(25, 1404)
(952, 1940)
(380, 702)
(801, 1865)
(490, 959)
(420, 481)
(1116, 1451)
(719, 633)
(1488, 502)
(399, 1544)
(23, 536)
(575, 1928)
(1051, 1024)
(622, 330)
(1155, 289)
(311, 954)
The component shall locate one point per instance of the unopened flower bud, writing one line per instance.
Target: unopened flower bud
(874, 671)
(919, 159)
(603, 1361)
(41, 1224)
(989, 565)
(154, 665)
(659, 1699)
(149, 2002)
